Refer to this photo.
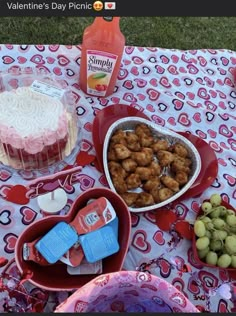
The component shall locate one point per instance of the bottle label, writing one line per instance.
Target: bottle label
(100, 66)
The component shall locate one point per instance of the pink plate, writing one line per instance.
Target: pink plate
(102, 122)
(112, 113)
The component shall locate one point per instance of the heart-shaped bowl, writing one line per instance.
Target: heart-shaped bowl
(231, 271)
(55, 277)
(158, 132)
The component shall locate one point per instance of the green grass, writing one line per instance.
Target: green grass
(166, 32)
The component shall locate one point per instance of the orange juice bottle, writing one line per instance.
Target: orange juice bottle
(102, 50)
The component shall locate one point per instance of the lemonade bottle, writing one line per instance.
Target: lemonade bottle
(102, 50)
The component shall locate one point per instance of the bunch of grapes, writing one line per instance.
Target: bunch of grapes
(215, 232)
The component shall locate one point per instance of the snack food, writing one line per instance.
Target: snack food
(147, 165)
(215, 233)
(33, 126)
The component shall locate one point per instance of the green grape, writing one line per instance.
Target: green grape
(208, 234)
(205, 219)
(215, 199)
(219, 235)
(231, 220)
(230, 212)
(233, 261)
(224, 261)
(232, 229)
(202, 253)
(230, 244)
(223, 211)
(206, 207)
(218, 223)
(202, 242)
(215, 213)
(209, 226)
(199, 228)
(216, 245)
(211, 257)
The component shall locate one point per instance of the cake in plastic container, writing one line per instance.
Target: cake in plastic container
(37, 122)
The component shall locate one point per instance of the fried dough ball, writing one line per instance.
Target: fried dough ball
(133, 181)
(119, 184)
(116, 169)
(111, 154)
(144, 173)
(179, 166)
(144, 199)
(119, 137)
(129, 198)
(146, 140)
(170, 183)
(165, 157)
(142, 158)
(155, 167)
(151, 183)
(181, 177)
(134, 146)
(141, 129)
(129, 164)
(180, 150)
(132, 141)
(160, 144)
(164, 194)
(122, 152)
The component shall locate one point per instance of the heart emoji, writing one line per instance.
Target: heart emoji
(153, 94)
(223, 95)
(222, 105)
(222, 162)
(150, 108)
(180, 95)
(140, 82)
(146, 70)
(158, 238)
(197, 117)
(165, 267)
(88, 127)
(176, 82)
(134, 71)
(10, 240)
(8, 59)
(171, 121)
(223, 130)
(57, 71)
(215, 146)
(178, 105)
(211, 106)
(210, 116)
(201, 134)
(41, 48)
(188, 81)
(63, 60)
(202, 93)
(70, 72)
(115, 100)
(222, 71)
(127, 62)
(129, 97)
(182, 70)
(202, 61)
(17, 194)
(134, 219)
(5, 217)
(140, 243)
(37, 59)
(141, 97)
(162, 107)
(83, 158)
(209, 82)
(190, 95)
(184, 119)
(228, 82)
(86, 182)
(28, 215)
(53, 48)
(213, 93)
(212, 133)
(164, 82)
(175, 59)
(128, 85)
(164, 59)
(153, 82)
(50, 60)
(172, 70)
(150, 216)
(137, 60)
(5, 175)
(129, 49)
(220, 82)
(123, 74)
(21, 59)
(160, 70)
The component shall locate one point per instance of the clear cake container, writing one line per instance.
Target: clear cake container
(38, 121)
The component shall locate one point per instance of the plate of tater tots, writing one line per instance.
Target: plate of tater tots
(147, 165)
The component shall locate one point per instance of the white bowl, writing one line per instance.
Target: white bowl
(128, 124)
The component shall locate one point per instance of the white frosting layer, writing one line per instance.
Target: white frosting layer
(31, 120)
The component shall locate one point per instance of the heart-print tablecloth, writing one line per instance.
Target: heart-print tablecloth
(191, 91)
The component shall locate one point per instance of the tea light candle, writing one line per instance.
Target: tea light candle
(53, 202)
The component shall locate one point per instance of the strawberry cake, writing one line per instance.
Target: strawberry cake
(33, 127)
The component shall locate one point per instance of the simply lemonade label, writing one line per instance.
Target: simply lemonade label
(100, 66)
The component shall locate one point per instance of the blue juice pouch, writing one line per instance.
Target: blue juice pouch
(99, 244)
(57, 241)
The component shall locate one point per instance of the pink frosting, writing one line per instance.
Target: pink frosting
(33, 144)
